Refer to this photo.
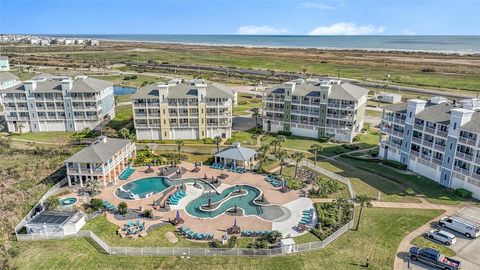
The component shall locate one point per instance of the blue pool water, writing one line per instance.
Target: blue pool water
(67, 202)
(123, 90)
(245, 202)
(142, 188)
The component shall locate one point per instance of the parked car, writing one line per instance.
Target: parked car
(442, 237)
(464, 226)
(433, 258)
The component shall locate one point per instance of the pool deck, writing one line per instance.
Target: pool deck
(218, 225)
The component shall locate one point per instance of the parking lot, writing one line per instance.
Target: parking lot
(467, 250)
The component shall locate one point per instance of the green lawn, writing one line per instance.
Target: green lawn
(432, 191)
(243, 137)
(379, 235)
(373, 113)
(421, 241)
(108, 232)
(48, 136)
(123, 117)
(371, 184)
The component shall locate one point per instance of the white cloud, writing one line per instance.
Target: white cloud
(407, 32)
(260, 30)
(317, 5)
(344, 28)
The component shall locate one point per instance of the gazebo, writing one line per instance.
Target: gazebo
(236, 156)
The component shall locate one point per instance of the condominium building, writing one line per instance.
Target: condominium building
(315, 109)
(102, 161)
(58, 103)
(7, 79)
(436, 138)
(183, 110)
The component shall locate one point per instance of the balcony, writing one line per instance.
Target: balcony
(339, 116)
(476, 176)
(415, 153)
(428, 143)
(440, 147)
(339, 105)
(141, 115)
(437, 161)
(275, 109)
(140, 125)
(399, 121)
(442, 133)
(418, 126)
(463, 171)
(425, 156)
(467, 141)
(430, 130)
(464, 156)
(153, 104)
(389, 118)
(139, 105)
(417, 140)
(397, 133)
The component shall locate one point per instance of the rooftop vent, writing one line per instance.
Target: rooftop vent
(439, 100)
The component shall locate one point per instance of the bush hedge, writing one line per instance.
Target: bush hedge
(395, 164)
(463, 193)
(374, 160)
(284, 133)
(324, 139)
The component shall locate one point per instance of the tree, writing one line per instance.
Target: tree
(93, 187)
(281, 155)
(122, 208)
(96, 203)
(20, 127)
(109, 132)
(217, 141)
(1, 127)
(364, 201)
(273, 237)
(124, 133)
(277, 143)
(52, 202)
(316, 148)
(256, 114)
(262, 154)
(298, 157)
(180, 145)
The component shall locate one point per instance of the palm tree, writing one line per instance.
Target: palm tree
(281, 155)
(262, 154)
(217, 141)
(20, 127)
(278, 142)
(316, 148)
(124, 133)
(256, 114)
(364, 201)
(180, 145)
(297, 156)
(93, 187)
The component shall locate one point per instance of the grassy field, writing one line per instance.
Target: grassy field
(123, 117)
(245, 104)
(364, 182)
(378, 237)
(400, 68)
(108, 232)
(244, 137)
(432, 191)
(48, 136)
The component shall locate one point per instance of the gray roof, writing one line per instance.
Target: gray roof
(473, 125)
(237, 153)
(436, 113)
(6, 76)
(343, 91)
(99, 151)
(398, 107)
(184, 90)
(52, 84)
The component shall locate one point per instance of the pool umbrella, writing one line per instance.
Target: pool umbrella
(235, 223)
(177, 217)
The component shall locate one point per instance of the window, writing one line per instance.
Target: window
(448, 160)
(451, 146)
(454, 126)
(410, 115)
(445, 177)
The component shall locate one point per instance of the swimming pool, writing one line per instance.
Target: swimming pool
(142, 188)
(245, 202)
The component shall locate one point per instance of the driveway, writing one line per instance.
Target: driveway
(467, 250)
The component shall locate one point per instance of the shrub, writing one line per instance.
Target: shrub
(147, 213)
(463, 193)
(427, 69)
(324, 139)
(374, 153)
(284, 133)
(395, 164)
(208, 141)
(122, 208)
(52, 202)
(259, 244)
(232, 242)
(215, 243)
(96, 203)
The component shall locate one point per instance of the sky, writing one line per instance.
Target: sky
(261, 17)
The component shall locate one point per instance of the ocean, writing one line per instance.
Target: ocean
(444, 44)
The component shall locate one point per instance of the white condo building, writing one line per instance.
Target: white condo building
(183, 110)
(315, 109)
(58, 103)
(438, 139)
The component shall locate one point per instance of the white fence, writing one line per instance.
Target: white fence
(45, 196)
(186, 251)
